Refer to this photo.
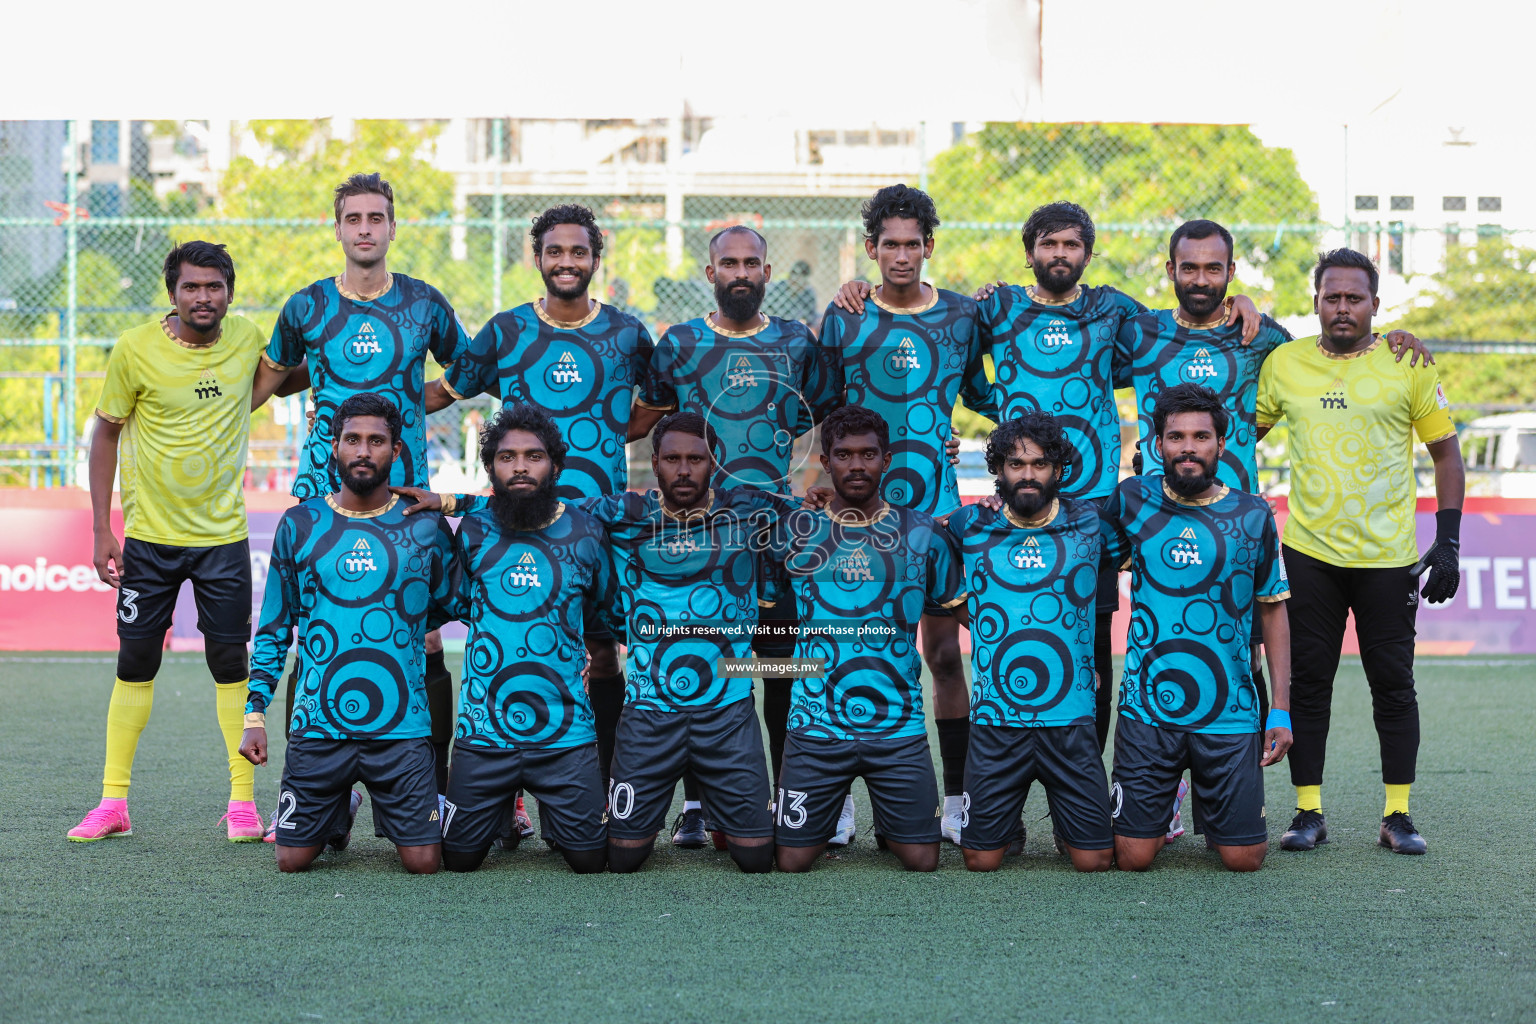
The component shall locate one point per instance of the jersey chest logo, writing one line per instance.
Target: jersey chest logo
(367, 341)
(740, 374)
(566, 370)
(359, 559)
(854, 567)
(1027, 555)
(524, 574)
(1056, 336)
(1201, 367)
(1333, 398)
(207, 385)
(905, 359)
(1186, 550)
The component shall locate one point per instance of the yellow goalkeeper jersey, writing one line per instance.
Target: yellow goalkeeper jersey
(187, 416)
(1352, 420)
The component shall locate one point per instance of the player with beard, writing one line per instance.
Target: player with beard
(530, 567)
(1201, 554)
(368, 330)
(1350, 540)
(686, 566)
(862, 571)
(909, 355)
(1197, 343)
(580, 361)
(362, 584)
(760, 382)
(1033, 682)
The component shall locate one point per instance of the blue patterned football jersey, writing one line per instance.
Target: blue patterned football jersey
(582, 374)
(521, 593)
(1060, 360)
(377, 346)
(860, 588)
(909, 365)
(1198, 567)
(759, 389)
(1158, 352)
(362, 589)
(1031, 601)
(688, 592)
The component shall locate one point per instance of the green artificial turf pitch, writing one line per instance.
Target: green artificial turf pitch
(176, 923)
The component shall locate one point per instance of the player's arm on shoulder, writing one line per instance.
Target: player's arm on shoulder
(1406, 343)
(1240, 309)
(850, 297)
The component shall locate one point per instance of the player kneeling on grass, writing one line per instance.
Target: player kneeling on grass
(1201, 554)
(1032, 563)
(362, 583)
(530, 564)
(862, 571)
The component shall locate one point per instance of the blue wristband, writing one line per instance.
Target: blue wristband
(1278, 719)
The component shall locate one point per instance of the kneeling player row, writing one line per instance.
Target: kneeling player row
(682, 572)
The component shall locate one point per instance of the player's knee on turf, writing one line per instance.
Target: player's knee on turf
(421, 860)
(227, 663)
(585, 862)
(917, 856)
(1136, 854)
(1091, 860)
(795, 859)
(464, 860)
(752, 856)
(1243, 858)
(984, 860)
(138, 658)
(628, 855)
(296, 858)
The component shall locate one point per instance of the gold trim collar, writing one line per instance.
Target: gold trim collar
(687, 514)
(709, 319)
(165, 325)
(1029, 290)
(1190, 325)
(1195, 502)
(552, 520)
(1375, 341)
(874, 296)
(567, 325)
(330, 499)
(1013, 517)
(854, 519)
(389, 282)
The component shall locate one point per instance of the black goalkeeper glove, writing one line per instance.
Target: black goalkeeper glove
(1443, 559)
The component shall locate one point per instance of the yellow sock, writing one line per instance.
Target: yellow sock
(127, 715)
(1309, 798)
(231, 711)
(1397, 800)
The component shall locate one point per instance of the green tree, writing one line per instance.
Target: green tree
(1486, 292)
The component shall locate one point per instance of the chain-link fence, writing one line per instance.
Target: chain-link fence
(89, 208)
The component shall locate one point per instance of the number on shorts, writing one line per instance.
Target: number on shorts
(965, 809)
(621, 799)
(129, 611)
(286, 805)
(794, 815)
(449, 807)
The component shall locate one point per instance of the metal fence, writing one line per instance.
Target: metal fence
(88, 210)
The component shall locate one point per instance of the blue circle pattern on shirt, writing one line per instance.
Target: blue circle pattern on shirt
(1032, 594)
(1060, 360)
(910, 366)
(1196, 573)
(1161, 353)
(354, 347)
(583, 376)
(522, 598)
(364, 590)
(860, 592)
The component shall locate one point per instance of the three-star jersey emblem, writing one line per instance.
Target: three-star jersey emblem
(360, 558)
(525, 572)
